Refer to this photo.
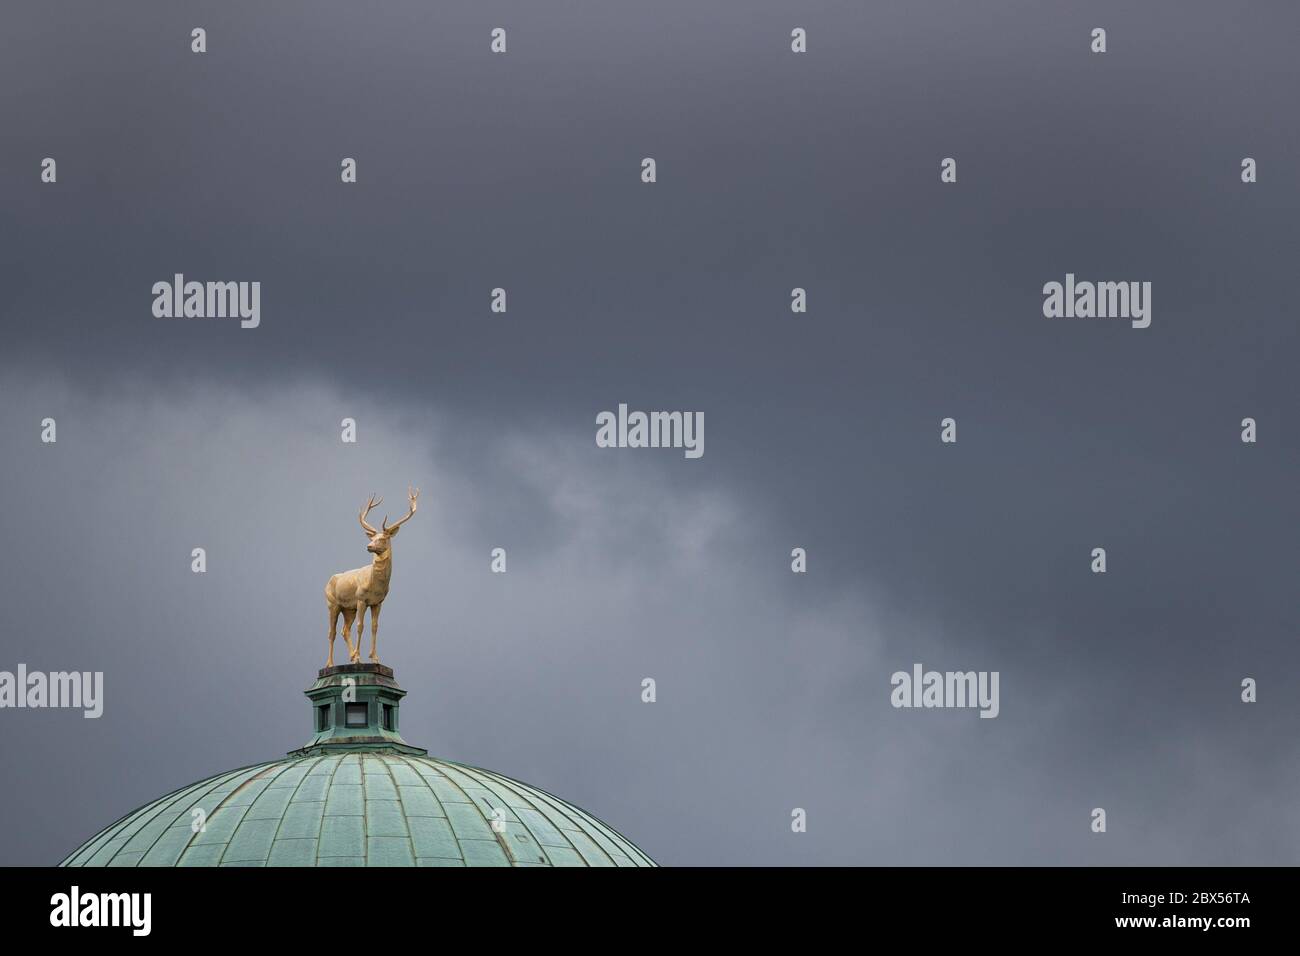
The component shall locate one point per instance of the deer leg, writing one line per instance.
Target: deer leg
(374, 633)
(334, 621)
(361, 628)
(348, 614)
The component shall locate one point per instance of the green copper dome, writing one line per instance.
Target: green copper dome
(359, 809)
(356, 794)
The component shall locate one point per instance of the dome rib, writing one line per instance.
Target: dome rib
(113, 832)
(567, 810)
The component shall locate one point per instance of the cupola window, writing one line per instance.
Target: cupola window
(356, 715)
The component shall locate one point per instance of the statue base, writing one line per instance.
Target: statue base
(367, 668)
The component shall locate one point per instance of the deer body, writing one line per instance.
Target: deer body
(368, 586)
(350, 592)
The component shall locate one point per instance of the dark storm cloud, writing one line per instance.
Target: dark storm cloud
(775, 171)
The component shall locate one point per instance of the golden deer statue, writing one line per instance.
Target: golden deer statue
(351, 592)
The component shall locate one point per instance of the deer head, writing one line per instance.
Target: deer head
(381, 538)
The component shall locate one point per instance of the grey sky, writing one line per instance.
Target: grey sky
(775, 171)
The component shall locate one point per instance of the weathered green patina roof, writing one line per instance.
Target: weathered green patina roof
(357, 794)
(359, 809)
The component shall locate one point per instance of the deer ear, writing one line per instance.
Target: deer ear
(369, 534)
(392, 532)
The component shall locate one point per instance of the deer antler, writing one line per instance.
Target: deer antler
(371, 503)
(412, 495)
